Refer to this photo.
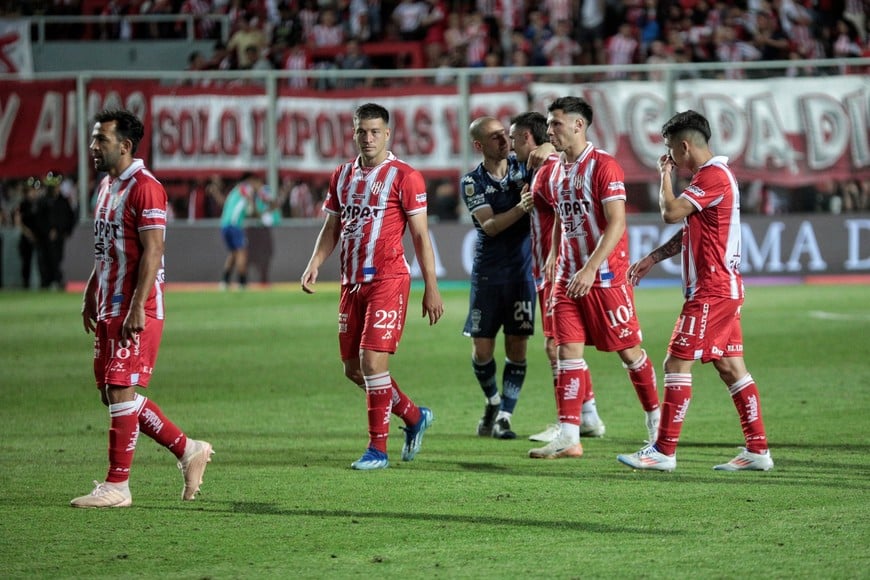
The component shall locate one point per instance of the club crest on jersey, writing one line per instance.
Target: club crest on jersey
(376, 188)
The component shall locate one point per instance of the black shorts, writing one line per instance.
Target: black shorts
(510, 306)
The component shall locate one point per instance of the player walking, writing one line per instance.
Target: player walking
(123, 306)
(708, 328)
(370, 202)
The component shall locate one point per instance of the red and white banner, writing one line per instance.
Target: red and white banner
(782, 131)
(785, 131)
(16, 57)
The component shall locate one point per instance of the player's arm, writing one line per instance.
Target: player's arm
(89, 303)
(673, 209)
(584, 279)
(667, 250)
(553, 256)
(149, 264)
(327, 239)
(493, 223)
(539, 155)
(433, 306)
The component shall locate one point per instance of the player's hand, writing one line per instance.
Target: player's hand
(639, 269)
(539, 154)
(134, 323)
(89, 313)
(527, 199)
(580, 283)
(433, 306)
(666, 163)
(309, 278)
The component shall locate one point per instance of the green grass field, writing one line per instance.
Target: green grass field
(257, 374)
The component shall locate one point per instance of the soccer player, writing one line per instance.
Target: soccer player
(240, 203)
(708, 328)
(592, 300)
(123, 306)
(370, 202)
(528, 131)
(502, 289)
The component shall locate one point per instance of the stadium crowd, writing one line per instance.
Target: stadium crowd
(294, 34)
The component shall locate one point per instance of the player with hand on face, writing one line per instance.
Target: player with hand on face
(709, 247)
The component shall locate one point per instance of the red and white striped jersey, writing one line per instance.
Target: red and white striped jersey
(133, 202)
(373, 205)
(711, 235)
(543, 218)
(578, 191)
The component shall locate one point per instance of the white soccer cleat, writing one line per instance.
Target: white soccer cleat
(551, 432)
(748, 461)
(649, 458)
(559, 448)
(593, 428)
(197, 454)
(105, 495)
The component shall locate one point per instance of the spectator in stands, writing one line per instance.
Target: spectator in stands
(360, 25)
(454, 33)
(408, 17)
(538, 33)
(592, 31)
(847, 43)
(768, 38)
(288, 28)
(328, 31)
(435, 22)
(249, 35)
(200, 9)
(658, 54)
(561, 49)
(731, 49)
(297, 58)
(353, 58)
(621, 48)
(476, 40)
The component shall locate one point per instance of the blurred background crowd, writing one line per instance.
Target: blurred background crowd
(293, 34)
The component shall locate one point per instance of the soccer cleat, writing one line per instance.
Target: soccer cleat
(502, 429)
(414, 435)
(592, 428)
(652, 424)
(547, 435)
(197, 454)
(105, 495)
(748, 461)
(371, 459)
(649, 458)
(484, 427)
(558, 448)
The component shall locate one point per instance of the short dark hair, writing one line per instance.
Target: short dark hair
(371, 111)
(687, 122)
(127, 125)
(575, 105)
(533, 122)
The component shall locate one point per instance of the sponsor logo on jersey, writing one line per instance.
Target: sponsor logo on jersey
(696, 191)
(154, 213)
